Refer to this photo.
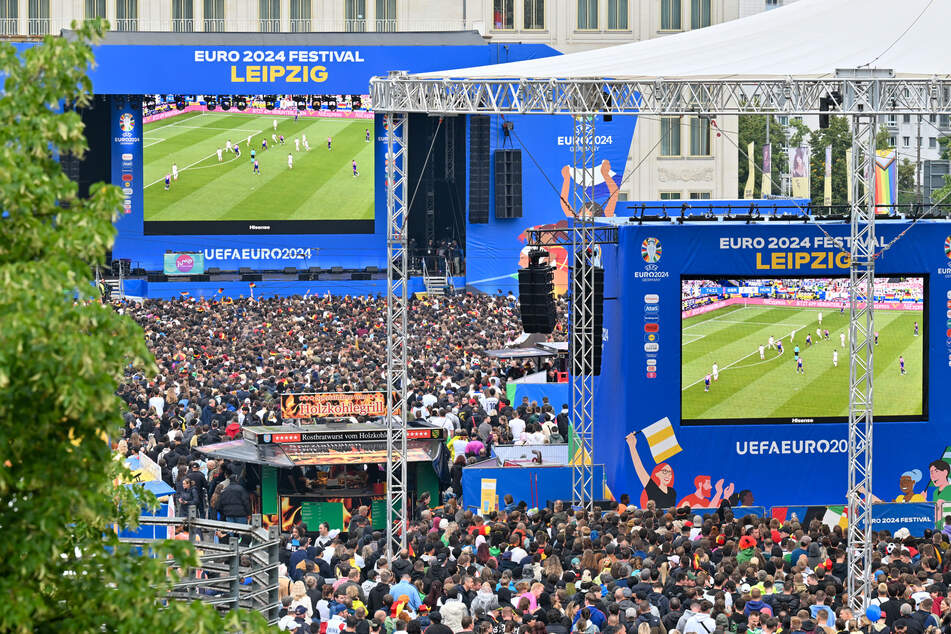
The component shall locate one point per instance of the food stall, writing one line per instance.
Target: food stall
(321, 472)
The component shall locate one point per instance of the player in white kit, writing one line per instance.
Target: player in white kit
(835, 358)
(297, 145)
(716, 371)
(228, 145)
(842, 339)
(290, 161)
(771, 343)
(762, 352)
(820, 317)
(275, 124)
(818, 334)
(219, 155)
(249, 139)
(174, 172)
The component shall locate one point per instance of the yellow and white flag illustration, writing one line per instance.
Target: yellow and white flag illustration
(661, 440)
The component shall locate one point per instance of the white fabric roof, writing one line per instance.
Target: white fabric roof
(808, 39)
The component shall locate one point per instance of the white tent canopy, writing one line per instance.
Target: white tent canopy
(809, 39)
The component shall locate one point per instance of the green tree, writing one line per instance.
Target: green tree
(907, 182)
(942, 196)
(62, 569)
(753, 128)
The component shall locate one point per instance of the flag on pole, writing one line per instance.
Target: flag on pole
(661, 440)
(184, 293)
(751, 178)
(767, 187)
(827, 192)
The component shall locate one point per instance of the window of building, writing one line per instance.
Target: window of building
(9, 15)
(214, 15)
(892, 141)
(700, 195)
(670, 11)
(300, 16)
(699, 13)
(772, 4)
(587, 14)
(699, 136)
(503, 15)
(905, 118)
(905, 141)
(892, 120)
(127, 15)
(670, 136)
(183, 16)
(932, 143)
(944, 121)
(95, 9)
(269, 16)
(355, 16)
(386, 16)
(533, 15)
(670, 195)
(617, 15)
(919, 141)
(933, 118)
(39, 17)
(783, 120)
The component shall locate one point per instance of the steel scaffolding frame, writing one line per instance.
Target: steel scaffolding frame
(861, 339)
(866, 95)
(582, 312)
(397, 307)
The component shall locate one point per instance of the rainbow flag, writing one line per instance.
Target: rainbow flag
(886, 180)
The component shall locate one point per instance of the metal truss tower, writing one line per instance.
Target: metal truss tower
(862, 250)
(583, 323)
(397, 307)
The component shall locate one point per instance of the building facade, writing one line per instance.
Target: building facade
(688, 158)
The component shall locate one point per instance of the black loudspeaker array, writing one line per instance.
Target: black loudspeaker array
(479, 166)
(536, 297)
(508, 184)
(579, 312)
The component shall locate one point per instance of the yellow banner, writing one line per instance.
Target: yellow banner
(751, 178)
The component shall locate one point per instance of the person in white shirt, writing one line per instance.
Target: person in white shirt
(297, 145)
(842, 339)
(219, 154)
(771, 342)
(716, 371)
(835, 358)
(158, 404)
(762, 352)
(516, 426)
(820, 317)
(702, 622)
(290, 162)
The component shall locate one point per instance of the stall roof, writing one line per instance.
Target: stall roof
(808, 39)
(519, 353)
(338, 443)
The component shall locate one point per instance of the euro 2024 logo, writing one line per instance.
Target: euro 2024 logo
(650, 253)
(126, 122)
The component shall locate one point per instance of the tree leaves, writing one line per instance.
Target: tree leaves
(62, 354)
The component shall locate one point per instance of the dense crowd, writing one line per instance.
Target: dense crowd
(222, 365)
(626, 571)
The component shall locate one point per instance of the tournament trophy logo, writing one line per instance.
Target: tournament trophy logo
(947, 247)
(126, 122)
(650, 250)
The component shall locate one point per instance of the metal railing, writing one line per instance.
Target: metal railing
(240, 574)
(42, 26)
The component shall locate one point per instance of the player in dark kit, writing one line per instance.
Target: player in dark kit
(367, 135)
(799, 366)
(916, 328)
(263, 144)
(901, 364)
(779, 346)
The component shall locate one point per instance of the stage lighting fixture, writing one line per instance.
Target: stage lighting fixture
(226, 102)
(269, 102)
(211, 102)
(356, 102)
(180, 102)
(148, 102)
(241, 103)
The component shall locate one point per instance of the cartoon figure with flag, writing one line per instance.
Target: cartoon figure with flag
(659, 485)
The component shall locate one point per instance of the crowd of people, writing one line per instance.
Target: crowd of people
(223, 363)
(624, 571)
